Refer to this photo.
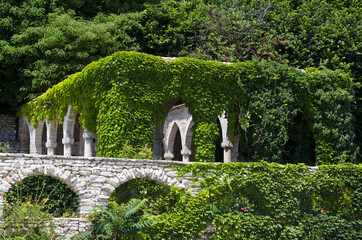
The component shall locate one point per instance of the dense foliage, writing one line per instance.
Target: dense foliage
(160, 198)
(265, 103)
(258, 201)
(117, 221)
(268, 201)
(42, 42)
(55, 197)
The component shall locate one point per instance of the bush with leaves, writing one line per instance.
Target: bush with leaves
(27, 221)
(117, 221)
(160, 198)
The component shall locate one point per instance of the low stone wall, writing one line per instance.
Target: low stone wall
(66, 228)
(93, 179)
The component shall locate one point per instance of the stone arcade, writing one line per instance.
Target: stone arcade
(93, 179)
(66, 152)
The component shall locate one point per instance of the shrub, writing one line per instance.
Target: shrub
(27, 221)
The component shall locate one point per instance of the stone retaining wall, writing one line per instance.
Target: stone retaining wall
(93, 179)
(68, 227)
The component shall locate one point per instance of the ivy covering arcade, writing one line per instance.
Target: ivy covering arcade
(277, 113)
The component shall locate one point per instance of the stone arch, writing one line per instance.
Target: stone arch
(188, 148)
(35, 137)
(159, 124)
(63, 175)
(23, 134)
(43, 139)
(170, 140)
(159, 176)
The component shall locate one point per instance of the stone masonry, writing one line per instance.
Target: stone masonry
(8, 133)
(93, 179)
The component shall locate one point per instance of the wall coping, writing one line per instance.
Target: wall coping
(125, 160)
(95, 159)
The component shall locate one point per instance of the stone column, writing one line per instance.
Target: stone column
(35, 137)
(185, 154)
(88, 143)
(51, 142)
(227, 146)
(68, 131)
(68, 143)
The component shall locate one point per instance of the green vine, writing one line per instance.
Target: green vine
(267, 201)
(122, 95)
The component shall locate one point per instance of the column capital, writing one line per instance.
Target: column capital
(68, 140)
(226, 144)
(186, 152)
(88, 135)
(168, 155)
(51, 144)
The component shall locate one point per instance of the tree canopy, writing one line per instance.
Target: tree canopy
(42, 42)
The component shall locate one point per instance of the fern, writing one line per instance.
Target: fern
(118, 221)
(86, 235)
(133, 206)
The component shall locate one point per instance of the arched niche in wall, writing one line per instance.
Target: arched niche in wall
(219, 150)
(56, 197)
(23, 134)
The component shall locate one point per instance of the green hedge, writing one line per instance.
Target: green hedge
(281, 114)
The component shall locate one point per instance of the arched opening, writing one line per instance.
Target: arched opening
(300, 147)
(177, 146)
(190, 143)
(160, 198)
(173, 143)
(219, 151)
(53, 195)
(78, 147)
(177, 135)
(59, 149)
(43, 140)
(23, 135)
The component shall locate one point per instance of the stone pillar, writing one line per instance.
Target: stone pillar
(157, 144)
(68, 131)
(35, 137)
(186, 154)
(68, 143)
(51, 142)
(227, 146)
(88, 143)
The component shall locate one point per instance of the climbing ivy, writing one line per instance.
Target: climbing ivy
(267, 201)
(122, 96)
